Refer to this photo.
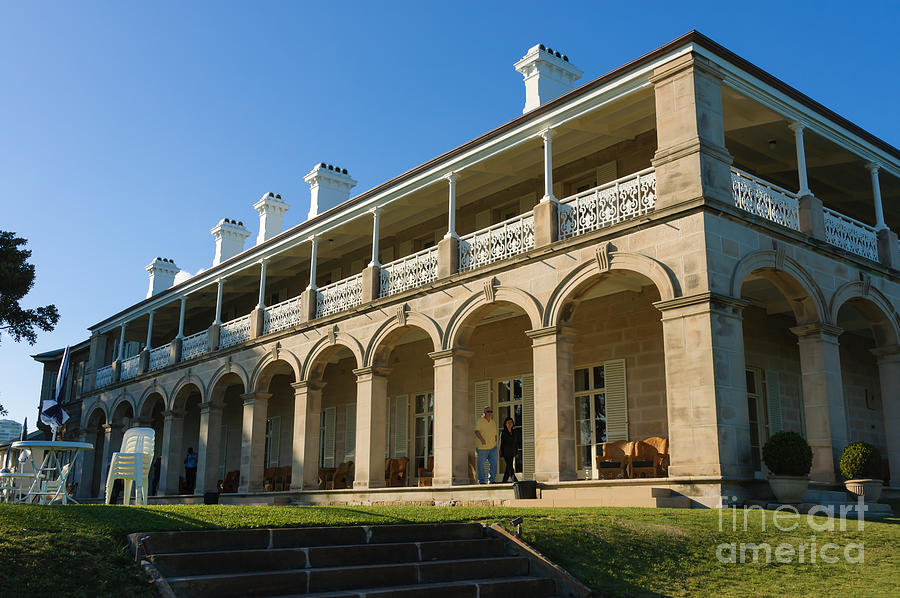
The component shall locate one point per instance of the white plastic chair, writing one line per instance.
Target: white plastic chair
(132, 465)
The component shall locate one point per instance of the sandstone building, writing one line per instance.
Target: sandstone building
(685, 247)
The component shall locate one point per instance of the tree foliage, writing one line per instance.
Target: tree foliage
(16, 279)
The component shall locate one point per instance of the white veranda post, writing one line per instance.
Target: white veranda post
(797, 128)
(547, 135)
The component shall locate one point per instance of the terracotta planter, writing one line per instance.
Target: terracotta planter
(788, 488)
(869, 489)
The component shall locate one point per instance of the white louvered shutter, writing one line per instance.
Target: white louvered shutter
(330, 416)
(482, 397)
(616, 400)
(387, 428)
(528, 426)
(773, 401)
(400, 427)
(350, 433)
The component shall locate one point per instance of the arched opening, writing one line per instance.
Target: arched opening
(276, 379)
(775, 397)
(223, 452)
(122, 418)
(409, 411)
(499, 377)
(334, 423)
(868, 349)
(151, 416)
(619, 375)
(183, 434)
(93, 467)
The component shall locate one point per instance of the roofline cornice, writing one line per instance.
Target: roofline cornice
(626, 79)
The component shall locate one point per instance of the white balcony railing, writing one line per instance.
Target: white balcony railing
(160, 357)
(339, 296)
(234, 332)
(131, 367)
(852, 235)
(765, 199)
(194, 345)
(494, 243)
(620, 200)
(409, 272)
(282, 315)
(104, 377)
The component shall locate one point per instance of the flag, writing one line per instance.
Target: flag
(53, 414)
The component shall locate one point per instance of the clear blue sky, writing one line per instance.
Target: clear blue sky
(127, 130)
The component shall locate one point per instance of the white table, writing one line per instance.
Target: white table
(50, 478)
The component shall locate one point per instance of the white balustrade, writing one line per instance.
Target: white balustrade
(852, 235)
(104, 377)
(409, 272)
(500, 241)
(234, 332)
(339, 296)
(160, 357)
(765, 199)
(194, 345)
(282, 315)
(130, 367)
(620, 200)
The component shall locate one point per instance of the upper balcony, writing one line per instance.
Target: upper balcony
(576, 166)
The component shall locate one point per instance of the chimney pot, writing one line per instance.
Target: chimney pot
(329, 186)
(547, 75)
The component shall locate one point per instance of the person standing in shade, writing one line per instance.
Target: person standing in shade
(509, 448)
(190, 470)
(486, 445)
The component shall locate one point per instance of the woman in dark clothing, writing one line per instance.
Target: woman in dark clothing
(509, 447)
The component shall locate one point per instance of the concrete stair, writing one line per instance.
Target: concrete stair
(458, 560)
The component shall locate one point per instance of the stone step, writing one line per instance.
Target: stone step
(333, 579)
(258, 560)
(255, 539)
(510, 587)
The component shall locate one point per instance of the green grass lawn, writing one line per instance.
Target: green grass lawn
(80, 550)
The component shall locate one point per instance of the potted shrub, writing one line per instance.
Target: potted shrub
(788, 457)
(861, 465)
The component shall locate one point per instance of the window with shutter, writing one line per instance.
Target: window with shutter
(273, 441)
(773, 401)
(482, 397)
(350, 433)
(327, 437)
(616, 400)
(400, 427)
(590, 416)
(528, 426)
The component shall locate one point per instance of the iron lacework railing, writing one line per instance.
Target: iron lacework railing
(160, 357)
(234, 332)
(764, 199)
(339, 296)
(194, 345)
(494, 243)
(608, 204)
(409, 272)
(852, 235)
(282, 315)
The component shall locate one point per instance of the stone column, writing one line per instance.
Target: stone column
(823, 397)
(706, 387)
(172, 457)
(889, 376)
(371, 407)
(209, 448)
(307, 419)
(554, 407)
(691, 160)
(454, 436)
(96, 358)
(253, 440)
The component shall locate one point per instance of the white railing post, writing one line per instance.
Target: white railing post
(121, 343)
(312, 263)
(262, 284)
(876, 197)
(149, 330)
(797, 128)
(547, 135)
(451, 207)
(219, 290)
(376, 213)
(181, 318)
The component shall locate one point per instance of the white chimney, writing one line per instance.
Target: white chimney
(271, 210)
(162, 273)
(230, 236)
(548, 75)
(329, 186)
